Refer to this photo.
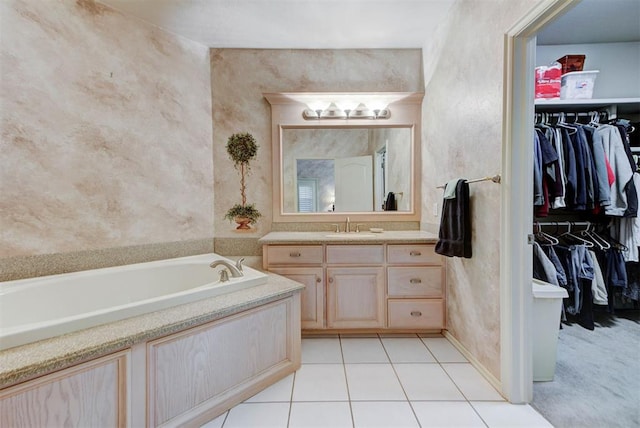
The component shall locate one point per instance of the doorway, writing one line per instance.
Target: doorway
(516, 195)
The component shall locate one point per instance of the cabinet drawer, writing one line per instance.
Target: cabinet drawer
(355, 254)
(416, 313)
(294, 254)
(415, 281)
(414, 254)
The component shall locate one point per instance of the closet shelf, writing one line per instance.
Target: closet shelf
(624, 105)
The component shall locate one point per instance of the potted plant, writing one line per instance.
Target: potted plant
(242, 148)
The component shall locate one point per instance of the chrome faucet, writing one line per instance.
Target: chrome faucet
(236, 270)
(347, 225)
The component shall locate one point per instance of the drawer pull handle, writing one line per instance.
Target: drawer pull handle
(415, 253)
(415, 281)
(416, 313)
(294, 254)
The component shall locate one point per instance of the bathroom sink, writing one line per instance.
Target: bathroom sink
(350, 235)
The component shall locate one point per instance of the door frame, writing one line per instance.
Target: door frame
(516, 300)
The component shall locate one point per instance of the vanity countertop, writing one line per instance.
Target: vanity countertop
(38, 358)
(364, 237)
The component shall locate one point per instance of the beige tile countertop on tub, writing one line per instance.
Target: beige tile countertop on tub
(364, 237)
(35, 359)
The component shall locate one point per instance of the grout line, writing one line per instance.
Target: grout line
(429, 350)
(293, 385)
(393, 367)
(225, 418)
(346, 381)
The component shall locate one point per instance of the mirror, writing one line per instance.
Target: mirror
(330, 166)
(330, 170)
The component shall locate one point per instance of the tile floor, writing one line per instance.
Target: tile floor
(380, 381)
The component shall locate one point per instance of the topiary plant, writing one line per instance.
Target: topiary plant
(242, 148)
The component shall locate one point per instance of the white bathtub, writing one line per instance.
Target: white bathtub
(39, 308)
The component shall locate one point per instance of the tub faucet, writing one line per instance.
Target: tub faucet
(235, 272)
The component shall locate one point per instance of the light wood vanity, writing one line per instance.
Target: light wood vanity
(391, 282)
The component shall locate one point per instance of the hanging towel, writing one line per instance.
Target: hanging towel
(390, 203)
(450, 189)
(455, 224)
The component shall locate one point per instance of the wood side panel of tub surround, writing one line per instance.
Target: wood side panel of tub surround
(98, 387)
(230, 360)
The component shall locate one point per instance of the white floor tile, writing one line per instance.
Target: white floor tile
(446, 414)
(472, 384)
(508, 415)
(427, 382)
(278, 392)
(321, 350)
(265, 415)
(383, 414)
(217, 422)
(373, 382)
(320, 415)
(363, 351)
(407, 350)
(443, 350)
(320, 382)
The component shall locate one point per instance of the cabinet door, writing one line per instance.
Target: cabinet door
(312, 295)
(355, 297)
(92, 394)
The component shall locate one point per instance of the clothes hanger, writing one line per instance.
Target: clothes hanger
(562, 122)
(568, 233)
(545, 237)
(594, 238)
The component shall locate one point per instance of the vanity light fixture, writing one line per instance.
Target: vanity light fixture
(346, 110)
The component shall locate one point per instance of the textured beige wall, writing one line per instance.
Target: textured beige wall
(462, 134)
(106, 131)
(240, 76)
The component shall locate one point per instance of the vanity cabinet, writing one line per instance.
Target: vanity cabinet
(376, 287)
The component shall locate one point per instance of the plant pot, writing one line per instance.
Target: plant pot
(243, 223)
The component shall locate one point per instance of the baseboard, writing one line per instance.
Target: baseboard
(495, 382)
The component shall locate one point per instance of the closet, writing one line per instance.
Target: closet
(587, 184)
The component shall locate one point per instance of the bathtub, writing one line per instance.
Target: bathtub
(39, 308)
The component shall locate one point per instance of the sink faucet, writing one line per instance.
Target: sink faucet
(347, 225)
(236, 270)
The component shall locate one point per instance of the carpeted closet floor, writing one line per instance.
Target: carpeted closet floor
(597, 378)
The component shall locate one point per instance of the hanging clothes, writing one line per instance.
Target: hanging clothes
(615, 152)
(584, 167)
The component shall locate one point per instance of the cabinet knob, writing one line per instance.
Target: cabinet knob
(416, 313)
(294, 254)
(415, 253)
(318, 279)
(415, 281)
(330, 279)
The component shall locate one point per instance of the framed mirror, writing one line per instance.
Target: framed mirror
(333, 166)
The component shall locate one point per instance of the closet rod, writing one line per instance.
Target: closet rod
(562, 223)
(496, 179)
(568, 113)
